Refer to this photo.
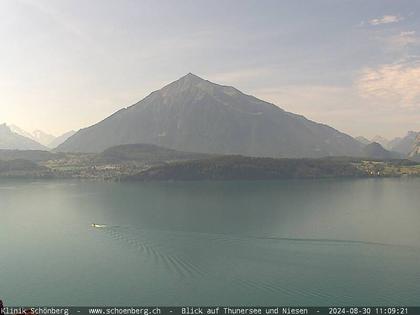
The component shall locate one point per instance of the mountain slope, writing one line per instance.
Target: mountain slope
(382, 141)
(12, 141)
(363, 140)
(376, 151)
(195, 115)
(20, 131)
(147, 153)
(60, 139)
(236, 167)
(29, 155)
(38, 135)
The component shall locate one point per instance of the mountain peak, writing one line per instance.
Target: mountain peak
(191, 78)
(185, 83)
(4, 127)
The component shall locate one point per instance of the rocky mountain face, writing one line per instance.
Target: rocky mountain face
(415, 151)
(20, 131)
(405, 145)
(42, 137)
(12, 141)
(38, 135)
(195, 115)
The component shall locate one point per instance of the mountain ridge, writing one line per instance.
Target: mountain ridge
(12, 141)
(43, 138)
(405, 144)
(61, 139)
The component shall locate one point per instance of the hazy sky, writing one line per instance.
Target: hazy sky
(354, 65)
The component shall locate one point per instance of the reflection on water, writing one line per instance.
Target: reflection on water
(267, 243)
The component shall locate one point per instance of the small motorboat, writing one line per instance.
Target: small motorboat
(98, 226)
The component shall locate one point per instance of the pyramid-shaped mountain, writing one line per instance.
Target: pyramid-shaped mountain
(195, 115)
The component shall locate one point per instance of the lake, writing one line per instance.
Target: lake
(297, 242)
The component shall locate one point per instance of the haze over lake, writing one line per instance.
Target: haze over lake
(300, 242)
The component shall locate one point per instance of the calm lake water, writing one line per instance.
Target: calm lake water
(310, 242)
